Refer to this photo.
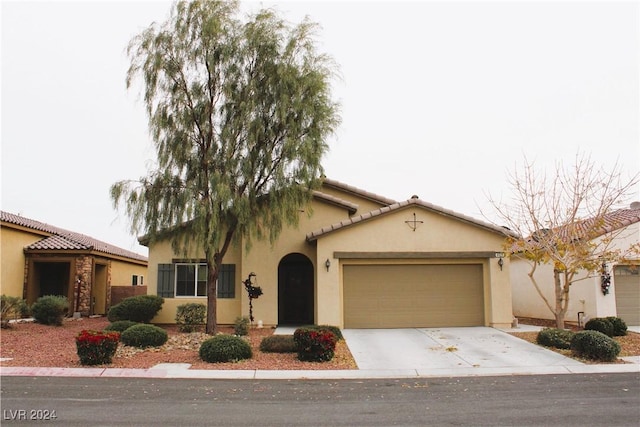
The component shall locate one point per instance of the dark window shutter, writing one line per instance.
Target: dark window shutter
(165, 280)
(227, 281)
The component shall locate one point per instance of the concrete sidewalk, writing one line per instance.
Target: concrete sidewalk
(168, 371)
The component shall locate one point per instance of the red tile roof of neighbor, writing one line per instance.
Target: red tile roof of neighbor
(61, 239)
(611, 221)
(594, 227)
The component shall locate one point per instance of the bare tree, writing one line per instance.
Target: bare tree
(566, 220)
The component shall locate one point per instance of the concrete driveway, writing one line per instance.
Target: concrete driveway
(446, 348)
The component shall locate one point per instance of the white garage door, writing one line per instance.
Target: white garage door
(401, 296)
(627, 286)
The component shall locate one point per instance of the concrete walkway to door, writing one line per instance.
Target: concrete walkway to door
(447, 348)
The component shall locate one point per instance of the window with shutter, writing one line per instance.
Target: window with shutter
(166, 280)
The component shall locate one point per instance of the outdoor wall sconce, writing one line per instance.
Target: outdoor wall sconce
(605, 280)
(500, 256)
(327, 264)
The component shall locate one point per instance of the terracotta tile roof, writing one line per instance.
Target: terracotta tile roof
(612, 221)
(314, 235)
(351, 207)
(357, 191)
(61, 239)
(57, 243)
(590, 228)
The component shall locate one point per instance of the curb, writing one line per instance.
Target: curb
(182, 372)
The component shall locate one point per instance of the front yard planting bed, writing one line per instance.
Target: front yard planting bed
(629, 344)
(32, 344)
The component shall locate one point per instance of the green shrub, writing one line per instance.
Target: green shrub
(241, 326)
(557, 338)
(278, 344)
(595, 345)
(190, 317)
(141, 309)
(50, 309)
(142, 336)
(619, 326)
(225, 348)
(600, 324)
(333, 329)
(11, 308)
(315, 345)
(120, 325)
(96, 348)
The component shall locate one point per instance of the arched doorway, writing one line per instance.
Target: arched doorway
(295, 290)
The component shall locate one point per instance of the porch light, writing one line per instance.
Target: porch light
(327, 264)
(500, 255)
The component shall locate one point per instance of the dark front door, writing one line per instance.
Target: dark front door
(53, 278)
(295, 290)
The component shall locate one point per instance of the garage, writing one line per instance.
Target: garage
(627, 289)
(413, 295)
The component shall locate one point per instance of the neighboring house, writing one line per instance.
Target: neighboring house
(356, 260)
(39, 259)
(586, 298)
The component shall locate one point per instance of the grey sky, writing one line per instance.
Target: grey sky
(439, 99)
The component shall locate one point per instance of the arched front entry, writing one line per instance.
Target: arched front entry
(295, 290)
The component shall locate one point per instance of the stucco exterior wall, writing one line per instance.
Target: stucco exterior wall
(12, 257)
(585, 295)
(388, 233)
(437, 233)
(122, 271)
(228, 308)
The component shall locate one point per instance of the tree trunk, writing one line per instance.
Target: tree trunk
(561, 309)
(213, 268)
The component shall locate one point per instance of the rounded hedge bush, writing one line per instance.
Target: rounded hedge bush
(333, 329)
(120, 325)
(556, 338)
(142, 336)
(225, 348)
(601, 325)
(141, 309)
(619, 326)
(278, 344)
(50, 309)
(595, 345)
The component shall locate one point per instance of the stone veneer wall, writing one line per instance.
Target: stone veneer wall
(83, 273)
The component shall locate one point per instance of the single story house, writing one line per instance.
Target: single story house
(40, 259)
(356, 260)
(587, 298)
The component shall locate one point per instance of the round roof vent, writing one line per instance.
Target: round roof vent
(635, 205)
(415, 197)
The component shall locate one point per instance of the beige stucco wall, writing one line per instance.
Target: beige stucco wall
(122, 271)
(12, 243)
(390, 234)
(228, 308)
(585, 294)
(262, 259)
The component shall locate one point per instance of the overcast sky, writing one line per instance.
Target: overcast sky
(439, 99)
